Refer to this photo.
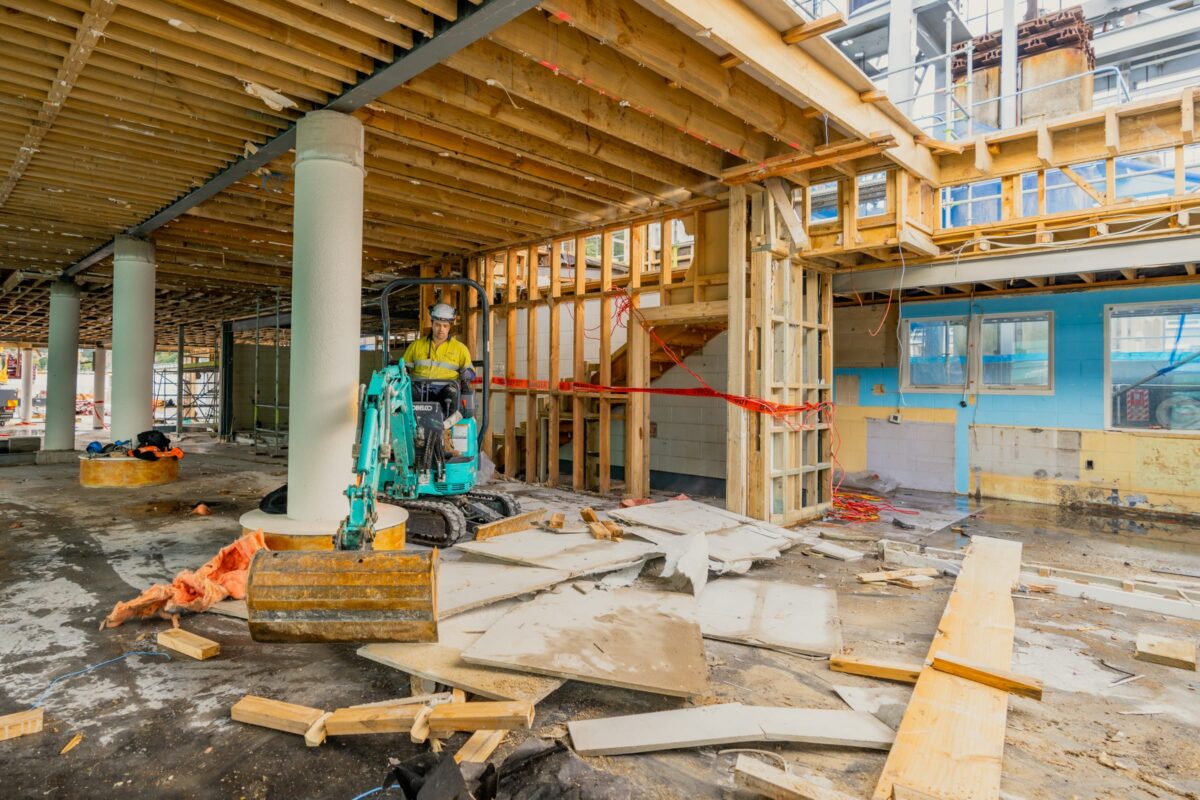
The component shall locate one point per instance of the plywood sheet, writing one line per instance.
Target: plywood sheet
(467, 583)
(726, 723)
(951, 740)
(574, 553)
(632, 638)
(781, 616)
(442, 662)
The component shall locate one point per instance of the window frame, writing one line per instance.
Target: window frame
(1108, 421)
(976, 337)
(973, 377)
(906, 384)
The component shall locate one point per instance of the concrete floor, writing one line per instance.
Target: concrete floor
(154, 727)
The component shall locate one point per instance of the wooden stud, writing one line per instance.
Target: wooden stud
(605, 359)
(764, 780)
(736, 417)
(511, 459)
(876, 668)
(554, 398)
(480, 746)
(315, 735)
(521, 522)
(1187, 115)
(275, 714)
(1112, 132)
(188, 643)
(579, 369)
(983, 156)
(531, 365)
(1011, 682)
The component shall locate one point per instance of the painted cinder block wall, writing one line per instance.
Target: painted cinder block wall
(1040, 448)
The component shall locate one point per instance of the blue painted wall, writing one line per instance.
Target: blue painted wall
(1078, 399)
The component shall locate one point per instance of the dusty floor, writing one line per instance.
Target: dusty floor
(154, 727)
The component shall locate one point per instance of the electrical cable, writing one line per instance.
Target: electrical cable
(42, 697)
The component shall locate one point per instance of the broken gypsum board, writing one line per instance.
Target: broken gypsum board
(1142, 601)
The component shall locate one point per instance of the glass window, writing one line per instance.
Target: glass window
(1154, 366)
(1145, 176)
(1015, 351)
(1029, 195)
(971, 203)
(936, 353)
(1063, 194)
(824, 202)
(872, 194)
(1191, 167)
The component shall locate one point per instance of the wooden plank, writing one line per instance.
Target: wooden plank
(1162, 650)
(656, 648)
(445, 718)
(710, 312)
(726, 723)
(768, 781)
(1011, 682)
(736, 417)
(479, 747)
(387, 719)
(188, 643)
(913, 581)
(876, 668)
(508, 715)
(888, 575)
(521, 522)
(21, 723)
(787, 210)
(960, 755)
(275, 714)
(815, 27)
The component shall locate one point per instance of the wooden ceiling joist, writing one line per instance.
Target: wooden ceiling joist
(89, 31)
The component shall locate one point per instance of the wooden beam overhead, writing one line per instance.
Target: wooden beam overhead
(739, 30)
(90, 29)
(816, 27)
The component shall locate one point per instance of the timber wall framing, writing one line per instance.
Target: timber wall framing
(559, 284)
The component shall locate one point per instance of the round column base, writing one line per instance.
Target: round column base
(281, 532)
(123, 472)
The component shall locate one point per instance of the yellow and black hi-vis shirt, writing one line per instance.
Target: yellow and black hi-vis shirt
(437, 362)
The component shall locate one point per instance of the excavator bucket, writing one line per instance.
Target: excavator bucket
(343, 596)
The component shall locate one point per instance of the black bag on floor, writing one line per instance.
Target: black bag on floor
(154, 439)
(275, 501)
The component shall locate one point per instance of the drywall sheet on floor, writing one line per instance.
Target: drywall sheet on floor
(573, 553)
(690, 516)
(632, 638)
(780, 616)
(917, 455)
(465, 583)
(887, 703)
(727, 723)
(442, 661)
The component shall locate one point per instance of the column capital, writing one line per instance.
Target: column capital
(133, 249)
(329, 136)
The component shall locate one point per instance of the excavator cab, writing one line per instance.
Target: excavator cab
(352, 592)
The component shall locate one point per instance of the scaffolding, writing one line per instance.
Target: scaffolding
(186, 392)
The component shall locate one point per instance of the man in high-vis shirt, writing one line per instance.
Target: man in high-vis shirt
(438, 356)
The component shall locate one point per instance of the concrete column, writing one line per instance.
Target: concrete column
(26, 397)
(1008, 65)
(901, 85)
(62, 370)
(133, 338)
(326, 310)
(100, 359)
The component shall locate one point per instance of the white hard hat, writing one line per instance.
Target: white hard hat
(442, 312)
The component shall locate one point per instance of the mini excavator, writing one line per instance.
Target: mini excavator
(355, 593)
